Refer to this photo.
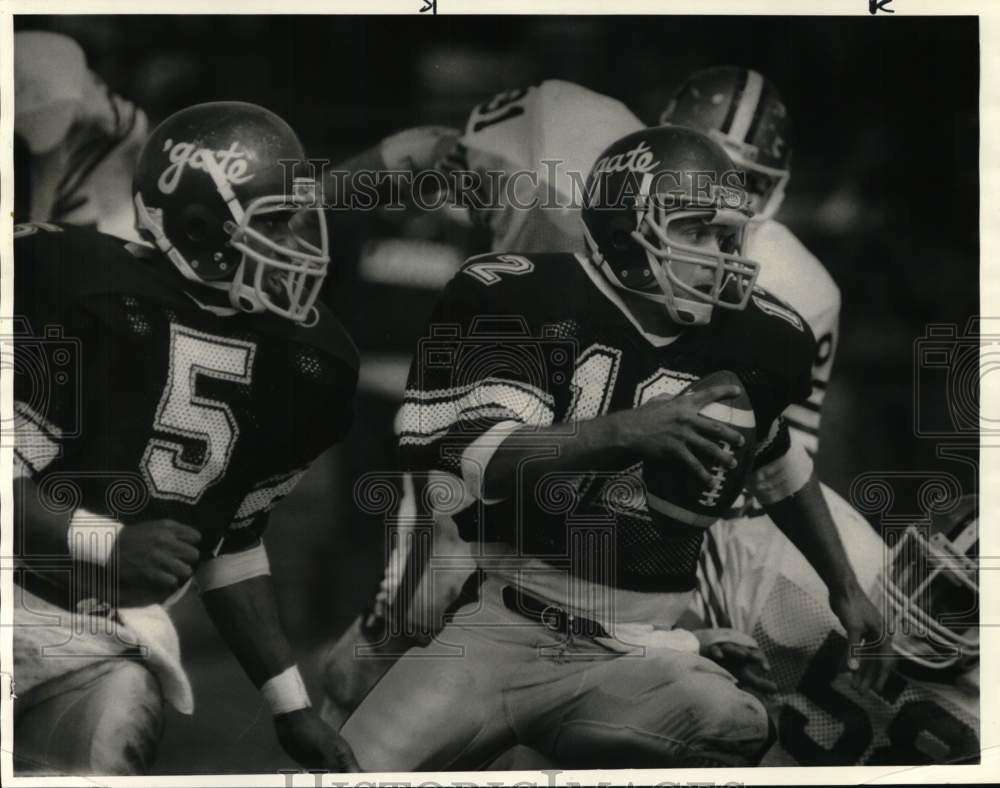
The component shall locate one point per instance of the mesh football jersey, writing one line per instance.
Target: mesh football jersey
(152, 406)
(555, 131)
(793, 274)
(538, 340)
(753, 579)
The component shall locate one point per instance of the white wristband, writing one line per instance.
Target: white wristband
(783, 477)
(91, 537)
(232, 568)
(286, 692)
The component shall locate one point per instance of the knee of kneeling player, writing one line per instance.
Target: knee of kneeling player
(719, 715)
(109, 723)
(123, 721)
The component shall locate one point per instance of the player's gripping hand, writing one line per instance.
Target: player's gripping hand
(738, 653)
(870, 657)
(418, 149)
(154, 558)
(673, 427)
(314, 744)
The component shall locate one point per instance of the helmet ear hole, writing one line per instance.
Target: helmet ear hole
(196, 223)
(620, 239)
(196, 229)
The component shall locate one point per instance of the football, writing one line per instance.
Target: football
(675, 492)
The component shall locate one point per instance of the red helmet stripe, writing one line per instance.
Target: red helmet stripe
(734, 102)
(768, 99)
(746, 108)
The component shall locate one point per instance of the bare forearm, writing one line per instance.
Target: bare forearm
(529, 454)
(38, 529)
(805, 519)
(246, 615)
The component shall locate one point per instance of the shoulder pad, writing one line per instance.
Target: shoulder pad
(75, 262)
(770, 305)
(771, 336)
(62, 264)
(536, 276)
(505, 104)
(492, 269)
(328, 335)
(506, 292)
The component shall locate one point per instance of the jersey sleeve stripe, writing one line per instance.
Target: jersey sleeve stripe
(802, 418)
(432, 395)
(712, 551)
(809, 405)
(808, 440)
(471, 416)
(713, 583)
(513, 401)
(267, 495)
(817, 396)
(37, 441)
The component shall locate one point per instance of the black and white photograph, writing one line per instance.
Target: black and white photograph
(490, 397)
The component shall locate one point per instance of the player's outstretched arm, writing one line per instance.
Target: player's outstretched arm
(663, 427)
(409, 151)
(245, 612)
(805, 519)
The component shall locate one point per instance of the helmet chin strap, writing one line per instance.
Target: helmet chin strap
(683, 311)
(241, 295)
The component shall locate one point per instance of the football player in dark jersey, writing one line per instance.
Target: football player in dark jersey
(542, 395)
(167, 397)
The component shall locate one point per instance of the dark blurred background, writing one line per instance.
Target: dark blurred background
(884, 191)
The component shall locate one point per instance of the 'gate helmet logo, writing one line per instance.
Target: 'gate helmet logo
(232, 163)
(639, 160)
(225, 192)
(639, 188)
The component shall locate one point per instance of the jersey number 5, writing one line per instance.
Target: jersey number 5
(205, 428)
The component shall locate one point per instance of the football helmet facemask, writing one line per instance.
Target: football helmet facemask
(933, 590)
(742, 111)
(216, 190)
(639, 187)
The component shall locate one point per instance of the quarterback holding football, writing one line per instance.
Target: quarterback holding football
(558, 121)
(550, 471)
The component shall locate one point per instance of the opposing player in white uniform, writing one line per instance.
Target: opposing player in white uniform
(533, 149)
(76, 142)
(742, 110)
(752, 579)
(766, 588)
